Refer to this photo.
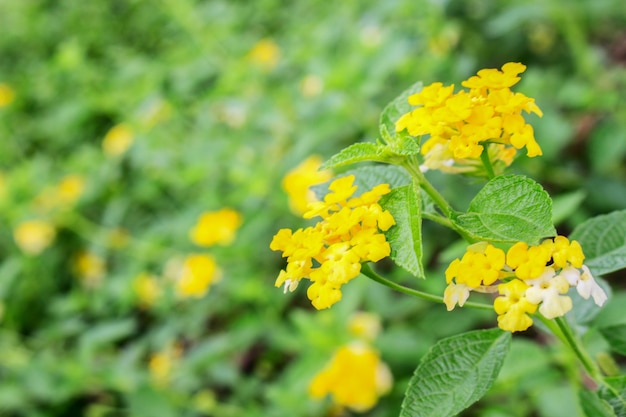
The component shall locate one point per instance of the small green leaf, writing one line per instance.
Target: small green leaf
(358, 152)
(509, 208)
(405, 238)
(593, 405)
(394, 110)
(456, 373)
(616, 336)
(615, 394)
(603, 239)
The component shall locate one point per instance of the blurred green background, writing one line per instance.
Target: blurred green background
(222, 99)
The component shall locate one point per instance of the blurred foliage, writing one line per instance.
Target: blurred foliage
(222, 99)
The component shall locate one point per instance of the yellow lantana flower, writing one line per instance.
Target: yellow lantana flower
(463, 125)
(330, 253)
(34, 236)
(533, 277)
(513, 307)
(117, 140)
(298, 181)
(197, 274)
(216, 227)
(355, 378)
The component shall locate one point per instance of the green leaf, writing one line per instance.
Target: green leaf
(394, 110)
(615, 394)
(358, 152)
(456, 373)
(593, 405)
(603, 239)
(616, 336)
(509, 208)
(405, 238)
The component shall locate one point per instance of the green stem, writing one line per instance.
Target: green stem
(370, 273)
(572, 341)
(437, 218)
(484, 157)
(425, 185)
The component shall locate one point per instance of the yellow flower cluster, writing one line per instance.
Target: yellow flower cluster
(529, 278)
(33, 236)
(355, 377)
(462, 125)
(330, 253)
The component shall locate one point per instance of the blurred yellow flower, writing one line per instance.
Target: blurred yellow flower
(365, 326)
(265, 53)
(33, 236)
(70, 188)
(216, 227)
(298, 181)
(7, 95)
(90, 268)
(147, 289)
(162, 363)
(198, 272)
(117, 140)
(355, 378)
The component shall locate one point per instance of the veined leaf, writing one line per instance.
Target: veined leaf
(616, 394)
(603, 239)
(358, 152)
(456, 373)
(405, 238)
(509, 208)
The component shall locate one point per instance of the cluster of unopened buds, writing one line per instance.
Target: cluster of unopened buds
(526, 278)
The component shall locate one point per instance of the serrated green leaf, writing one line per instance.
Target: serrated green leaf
(509, 208)
(358, 152)
(405, 238)
(395, 109)
(456, 373)
(593, 405)
(615, 395)
(603, 239)
(616, 336)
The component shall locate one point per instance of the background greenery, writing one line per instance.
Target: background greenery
(216, 127)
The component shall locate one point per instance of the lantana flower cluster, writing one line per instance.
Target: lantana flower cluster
(356, 376)
(330, 253)
(526, 278)
(462, 125)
